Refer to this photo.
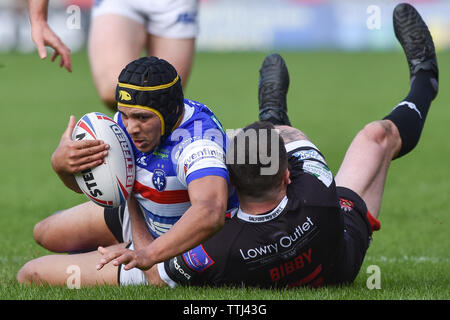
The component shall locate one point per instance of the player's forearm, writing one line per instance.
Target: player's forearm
(38, 10)
(141, 237)
(67, 178)
(69, 181)
(196, 225)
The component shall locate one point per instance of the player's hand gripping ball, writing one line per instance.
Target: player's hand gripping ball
(110, 183)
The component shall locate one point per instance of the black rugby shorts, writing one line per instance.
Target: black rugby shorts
(113, 219)
(358, 228)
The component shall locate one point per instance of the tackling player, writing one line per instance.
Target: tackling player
(119, 31)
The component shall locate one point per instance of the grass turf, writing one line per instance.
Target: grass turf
(332, 96)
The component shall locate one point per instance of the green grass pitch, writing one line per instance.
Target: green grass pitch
(332, 95)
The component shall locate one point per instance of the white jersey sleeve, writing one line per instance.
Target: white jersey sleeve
(201, 158)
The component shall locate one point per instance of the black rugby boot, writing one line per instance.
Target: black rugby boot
(272, 90)
(415, 39)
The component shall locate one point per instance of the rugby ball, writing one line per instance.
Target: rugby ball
(110, 183)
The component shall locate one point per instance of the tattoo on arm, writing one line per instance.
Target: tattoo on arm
(290, 134)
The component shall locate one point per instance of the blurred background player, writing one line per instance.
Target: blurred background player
(120, 31)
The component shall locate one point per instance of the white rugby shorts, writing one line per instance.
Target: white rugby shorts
(136, 276)
(177, 19)
(133, 276)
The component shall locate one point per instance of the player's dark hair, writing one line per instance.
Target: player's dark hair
(247, 157)
(154, 84)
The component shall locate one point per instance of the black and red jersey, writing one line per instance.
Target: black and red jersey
(297, 243)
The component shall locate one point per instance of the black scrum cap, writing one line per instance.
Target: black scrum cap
(152, 84)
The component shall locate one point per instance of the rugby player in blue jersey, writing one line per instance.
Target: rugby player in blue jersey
(181, 191)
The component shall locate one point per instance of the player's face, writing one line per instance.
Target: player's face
(143, 126)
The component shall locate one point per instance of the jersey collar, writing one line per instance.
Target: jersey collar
(257, 218)
(188, 112)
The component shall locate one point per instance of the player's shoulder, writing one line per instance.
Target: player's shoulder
(312, 182)
(198, 144)
(198, 116)
(198, 129)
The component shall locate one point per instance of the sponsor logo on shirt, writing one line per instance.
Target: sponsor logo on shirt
(207, 152)
(285, 242)
(319, 170)
(197, 259)
(308, 154)
(180, 269)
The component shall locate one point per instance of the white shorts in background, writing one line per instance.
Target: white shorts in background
(176, 19)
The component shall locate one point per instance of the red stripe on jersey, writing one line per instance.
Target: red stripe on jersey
(308, 278)
(163, 197)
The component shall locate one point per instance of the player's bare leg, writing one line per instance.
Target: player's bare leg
(80, 228)
(58, 270)
(179, 52)
(367, 160)
(114, 41)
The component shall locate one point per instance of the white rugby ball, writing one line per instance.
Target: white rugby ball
(110, 183)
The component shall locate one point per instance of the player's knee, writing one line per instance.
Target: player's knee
(28, 274)
(46, 237)
(383, 133)
(39, 233)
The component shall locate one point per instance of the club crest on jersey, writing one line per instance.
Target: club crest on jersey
(346, 205)
(159, 179)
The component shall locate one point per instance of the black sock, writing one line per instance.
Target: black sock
(409, 115)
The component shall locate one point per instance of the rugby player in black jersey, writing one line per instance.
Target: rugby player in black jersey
(300, 225)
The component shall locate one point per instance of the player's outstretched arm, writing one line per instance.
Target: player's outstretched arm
(43, 35)
(141, 237)
(205, 217)
(71, 157)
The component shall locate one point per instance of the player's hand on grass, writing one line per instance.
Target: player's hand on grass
(71, 157)
(129, 258)
(43, 36)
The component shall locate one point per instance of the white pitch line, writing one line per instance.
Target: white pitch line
(406, 258)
